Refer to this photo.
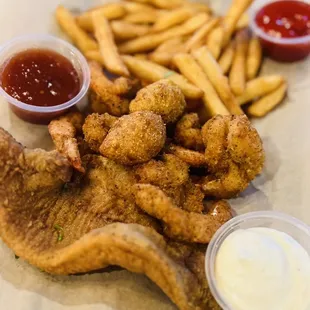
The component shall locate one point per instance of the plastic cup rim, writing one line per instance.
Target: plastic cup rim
(213, 246)
(254, 9)
(81, 59)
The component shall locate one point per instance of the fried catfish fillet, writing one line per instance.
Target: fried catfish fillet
(234, 155)
(180, 224)
(67, 228)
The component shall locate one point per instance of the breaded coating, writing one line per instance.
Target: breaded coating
(163, 98)
(234, 153)
(106, 94)
(188, 132)
(135, 138)
(63, 132)
(87, 224)
(96, 128)
(127, 87)
(179, 224)
(192, 158)
(170, 171)
(171, 175)
(193, 198)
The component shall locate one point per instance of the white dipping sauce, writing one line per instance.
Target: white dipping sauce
(263, 269)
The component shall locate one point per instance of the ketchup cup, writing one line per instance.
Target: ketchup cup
(285, 49)
(40, 114)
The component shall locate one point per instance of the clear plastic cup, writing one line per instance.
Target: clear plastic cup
(280, 49)
(36, 114)
(271, 219)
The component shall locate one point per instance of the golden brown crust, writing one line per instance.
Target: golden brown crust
(71, 229)
(179, 224)
(188, 132)
(170, 172)
(163, 98)
(106, 94)
(192, 158)
(96, 128)
(135, 138)
(234, 153)
(63, 132)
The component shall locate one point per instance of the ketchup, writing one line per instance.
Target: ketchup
(285, 20)
(40, 77)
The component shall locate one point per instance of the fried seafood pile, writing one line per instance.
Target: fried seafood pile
(129, 190)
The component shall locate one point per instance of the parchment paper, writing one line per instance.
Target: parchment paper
(283, 186)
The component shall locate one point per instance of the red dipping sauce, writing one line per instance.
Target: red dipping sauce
(39, 77)
(284, 29)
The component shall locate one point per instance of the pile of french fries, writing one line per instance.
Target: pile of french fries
(213, 59)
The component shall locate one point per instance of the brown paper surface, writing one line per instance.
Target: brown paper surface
(283, 186)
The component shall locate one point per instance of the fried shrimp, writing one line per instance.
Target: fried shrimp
(135, 138)
(179, 224)
(234, 154)
(163, 98)
(188, 132)
(192, 158)
(63, 132)
(96, 128)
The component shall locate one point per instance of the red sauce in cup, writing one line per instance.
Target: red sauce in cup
(39, 77)
(286, 19)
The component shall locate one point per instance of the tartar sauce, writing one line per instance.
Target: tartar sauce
(263, 269)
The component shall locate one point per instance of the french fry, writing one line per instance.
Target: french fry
(215, 40)
(172, 18)
(237, 8)
(227, 57)
(162, 4)
(196, 40)
(95, 56)
(141, 56)
(133, 7)
(199, 7)
(147, 70)
(243, 22)
(170, 44)
(68, 24)
(124, 31)
(264, 105)
(171, 4)
(217, 79)
(109, 11)
(141, 17)
(151, 41)
(254, 58)
(164, 53)
(260, 87)
(192, 71)
(108, 48)
(237, 75)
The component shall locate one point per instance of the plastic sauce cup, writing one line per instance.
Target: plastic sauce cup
(38, 114)
(271, 219)
(280, 49)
